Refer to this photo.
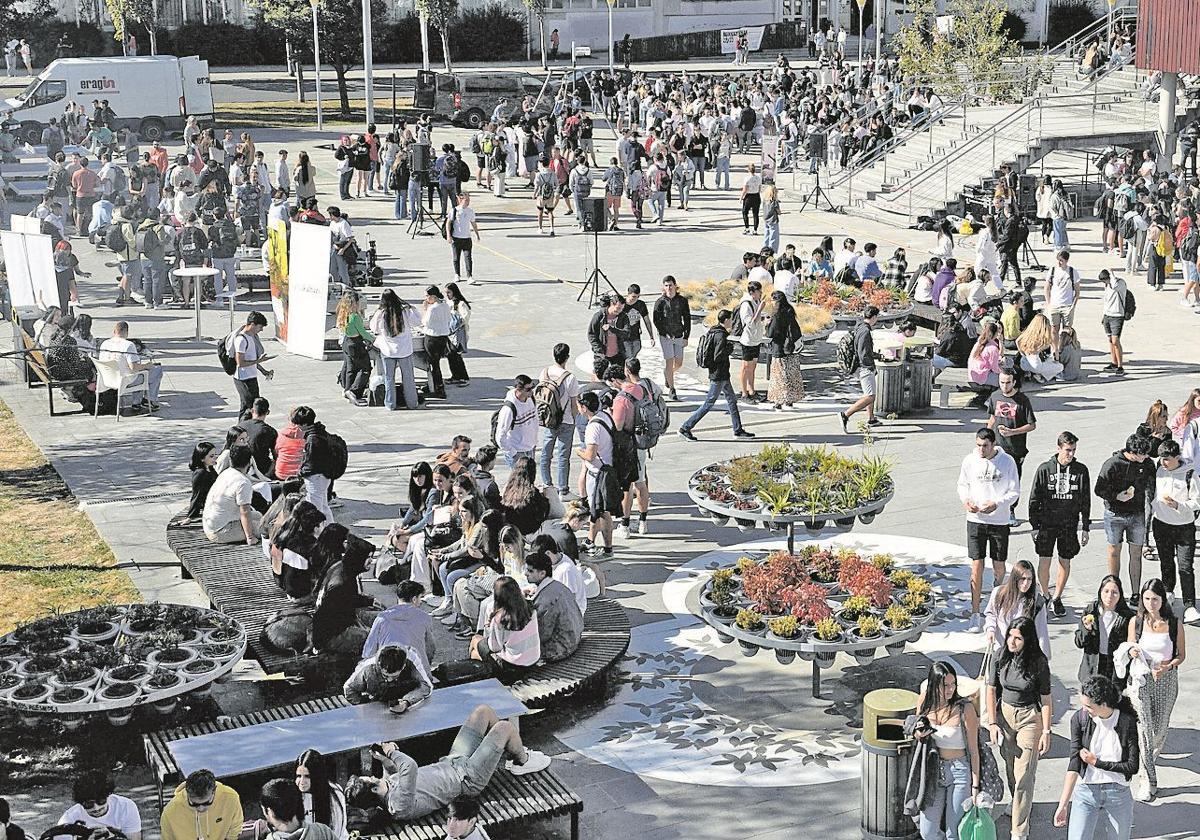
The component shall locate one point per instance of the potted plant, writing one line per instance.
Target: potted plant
(170, 656)
(720, 592)
(897, 620)
(775, 496)
(37, 666)
(198, 668)
(120, 692)
(824, 568)
(7, 683)
(96, 627)
(221, 652)
(70, 695)
(854, 608)
(227, 630)
(52, 644)
(744, 478)
(918, 595)
(829, 632)
(785, 629)
(743, 564)
(164, 679)
(74, 673)
(900, 578)
(883, 562)
(868, 627)
(30, 692)
(134, 673)
(749, 621)
(915, 604)
(810, 604)
(774, 459)
(7, 665)
(141, 619)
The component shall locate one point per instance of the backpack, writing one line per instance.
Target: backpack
(738, 326)
(464, 172)
(339, 456)
(147, 240)
(476, 148)
(228, 362)
(651, 416)
(496, 420)
(1164, 247)
(189, 246)
(847, 354)
(1130, 307)
(115, 239)
(547, 402)
(55, 182)
(583, 186)
(662, 179)
(1189, 246)
(545, 188)
(625, 457)
(1128, 229)
(847, 276)
(1121, 202)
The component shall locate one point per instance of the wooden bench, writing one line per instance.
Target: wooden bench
(506, 800)
(957, 379)
(36, 364)
(237, 581)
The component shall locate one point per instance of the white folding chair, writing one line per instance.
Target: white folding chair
(110, 378)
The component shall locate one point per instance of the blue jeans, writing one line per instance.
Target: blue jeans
(1130, 528)
(510, 458)
(722, 168)
(1089, 803)
(556, 444)
(450, 578)
(389, 381)
(685, 193)
(414, 196)
(771, 236)
(344, 179)
(658, 204)
(1060, 233)
(401, 209)
(946, 800)
(716, 389)
(154, 280)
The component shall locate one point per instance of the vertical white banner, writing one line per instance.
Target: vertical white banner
(770, 156)
(24, 224)
(39, 251)
(16, 265)
(308, 289)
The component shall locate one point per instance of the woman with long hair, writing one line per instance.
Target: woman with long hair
(420, 483)
(435, 324)
(357, 342)
(943, 249)
(1034, 345)
(1021, 711)
(1060, 211)
(462, 556)
(787, 384)
(475, 590)
(510, 644)
(204, 458)
(409, 541)
(393, 324)
(1017, 596)
(1103, 759)
(1185, 414)
(1103, 627)
(1070, 354)
(1158, 648)
(954, 728)
(304, 177)
(328, 549)
(522, 503)
(324, 801)
(771, 212)
(460, 324)
(987, 255)
(1156, 429)
(983, 365)
(292, 548)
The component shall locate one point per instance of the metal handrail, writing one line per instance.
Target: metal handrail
(1067, 47)
(926, 124)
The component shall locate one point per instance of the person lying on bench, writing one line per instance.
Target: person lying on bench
(408, 791)
(394, 676)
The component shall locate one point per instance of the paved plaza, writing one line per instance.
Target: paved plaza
(689, 739)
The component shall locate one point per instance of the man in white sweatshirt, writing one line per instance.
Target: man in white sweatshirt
(988, 486)
(1175, 505)
(516, 422)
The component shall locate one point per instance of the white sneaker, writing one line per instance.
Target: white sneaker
(621, 532)
(443, 608)
(471, 281)
(976, 625)
(535, 762)
(1185, 303)
(642, 528)
(433, 600)
(1191, 615)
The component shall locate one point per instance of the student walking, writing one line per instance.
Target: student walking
(460, 223)
(1123, 483)
(246, 350)
(1060, 508)
(713, 355)
(987, 487)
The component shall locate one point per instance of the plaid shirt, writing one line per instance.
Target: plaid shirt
(896, 273)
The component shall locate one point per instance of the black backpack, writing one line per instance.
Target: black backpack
(624, 448)
(496, 420)
(1190, 245)
(228, 362)
(147, 240)
(339, 456)
(1130, 307)
(705, 351)
(847, 354)
(189, 246)
(464, 172)
(115, 239)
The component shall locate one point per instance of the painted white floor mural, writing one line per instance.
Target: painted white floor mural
(659, 727)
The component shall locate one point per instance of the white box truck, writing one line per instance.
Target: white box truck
(153, 94)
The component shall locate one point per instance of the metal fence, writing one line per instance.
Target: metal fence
(787, 35)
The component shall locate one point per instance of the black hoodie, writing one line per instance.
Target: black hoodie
(1061, 511)
(1119, 474)
(316, 451)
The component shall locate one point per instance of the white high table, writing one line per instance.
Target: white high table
(197, 275)
(250, 749)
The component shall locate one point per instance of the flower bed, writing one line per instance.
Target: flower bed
(111, 658)
(816, 603)
(845, 302)
(779, 485)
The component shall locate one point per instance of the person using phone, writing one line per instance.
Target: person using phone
(246, 349)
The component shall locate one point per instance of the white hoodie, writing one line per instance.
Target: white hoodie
(982, 480)
(517, 433)
(1181, 484)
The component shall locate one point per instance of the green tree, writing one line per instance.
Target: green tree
(340, 27)
(442, 14)
(976, 57)
(144, 12)
(538, 8)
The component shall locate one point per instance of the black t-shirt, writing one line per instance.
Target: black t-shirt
(585, 128)
(634, 313)
(14, 832)
(1011, 412)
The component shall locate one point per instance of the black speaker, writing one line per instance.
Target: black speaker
(593, 214)
(420, 158)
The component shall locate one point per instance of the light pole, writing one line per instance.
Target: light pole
(612, 66)
(880, 13)
(317, 63)
(861, 4)
(1112, 7)
(368, 69)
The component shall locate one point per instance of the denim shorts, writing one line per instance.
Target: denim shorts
(672, 348)
(1130, 528)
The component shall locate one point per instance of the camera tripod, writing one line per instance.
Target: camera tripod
(1030, 257)
(816, 195)
(591, 284)
(421, 215)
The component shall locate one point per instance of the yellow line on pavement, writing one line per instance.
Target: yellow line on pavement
(523, 265)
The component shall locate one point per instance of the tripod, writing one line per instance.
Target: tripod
(591, 284)
(817, 194)
(1030, 257)
(421, 216)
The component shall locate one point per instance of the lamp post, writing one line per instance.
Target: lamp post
(612, 67)
(880, 13)
(368, 67)
(861, 5)
(1112, 7)
(317, 63)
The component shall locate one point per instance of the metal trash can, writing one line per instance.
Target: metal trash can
(889, 387)
(903, 387)
(885, 763)
(918, 379)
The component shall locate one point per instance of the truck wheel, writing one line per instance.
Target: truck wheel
(31, 133)
(153, 129)
(474, 119)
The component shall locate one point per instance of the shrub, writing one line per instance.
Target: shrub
(749, 620)
(827, 630)
(1014, 26)
(855, 607)
(897, 617)
(1068, 17)
(869, 626)
(220, 44)
(809, 605)
(786, 627)
(43, 33)
(493, 32)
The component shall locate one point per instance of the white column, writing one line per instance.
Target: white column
(1166, 121)
(368, 66)
(424, 42)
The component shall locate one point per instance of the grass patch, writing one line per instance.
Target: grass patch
(52, 558)
(291, 114)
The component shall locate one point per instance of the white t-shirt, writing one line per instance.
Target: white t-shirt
(461, 219)
(567, 573)
(752, 184)
(122, 815)
(1062, 287)
(120, 350)
(229, 492)
(597, 433)
(786, 282)
(567, 387)
(248, 346)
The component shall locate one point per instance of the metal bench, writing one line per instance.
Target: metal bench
(237, 581)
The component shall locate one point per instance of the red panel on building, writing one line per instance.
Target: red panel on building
(1168, 36)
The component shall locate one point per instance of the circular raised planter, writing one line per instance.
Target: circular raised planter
(115, 659)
